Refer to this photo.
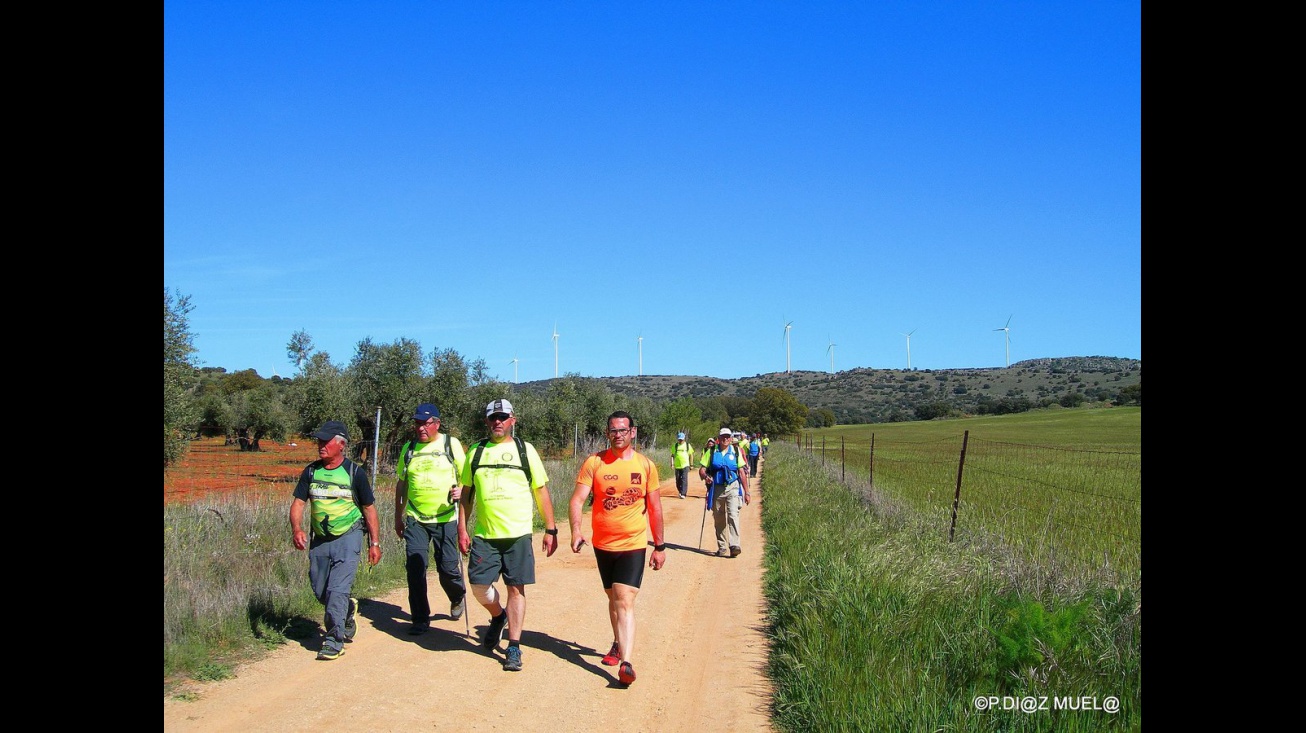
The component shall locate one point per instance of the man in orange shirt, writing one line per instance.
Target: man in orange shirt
(626, 506)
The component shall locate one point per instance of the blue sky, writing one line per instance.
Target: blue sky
(698, 174)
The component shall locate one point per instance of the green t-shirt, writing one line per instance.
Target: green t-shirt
(331, 502)
(430, 475)
(504, 501)
(682, 454)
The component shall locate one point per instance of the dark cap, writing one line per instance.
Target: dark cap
(426, 411)
(330, 429)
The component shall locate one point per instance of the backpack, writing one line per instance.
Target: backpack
(410, 446)
(521, 451)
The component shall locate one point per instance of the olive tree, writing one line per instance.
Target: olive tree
(179, 413)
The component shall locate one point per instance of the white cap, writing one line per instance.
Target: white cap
(498, 406)
(724, 431)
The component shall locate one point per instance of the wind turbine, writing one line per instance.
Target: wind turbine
(641, 353)
(514, 369)
(830, 350)
(788, 326)
(1006, 336)
(555, 349)
(908, 335)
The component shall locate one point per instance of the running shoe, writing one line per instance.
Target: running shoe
(626, 674)
(418, 629)
(722, 553)
(734, 551)
(328, 653)
(512, 660)
(351, 623)
(457, 609)
(612, 657)
(494, 632)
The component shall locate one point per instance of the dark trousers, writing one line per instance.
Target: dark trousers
(440, 541)
(682, 480)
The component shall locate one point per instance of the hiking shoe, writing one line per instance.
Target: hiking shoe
(612, 657)
(734, 552)
(327, 653)
(494, 632)
(351, 623)
(418, 629)
(722, 553)
(512, 660)
(457, 609)
(626, 674)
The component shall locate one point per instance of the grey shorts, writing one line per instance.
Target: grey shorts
(513, 558)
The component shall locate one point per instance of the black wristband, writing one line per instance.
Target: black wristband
(552, 532)
(660, 548)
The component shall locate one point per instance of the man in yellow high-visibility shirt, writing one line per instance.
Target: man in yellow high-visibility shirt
(682, 457)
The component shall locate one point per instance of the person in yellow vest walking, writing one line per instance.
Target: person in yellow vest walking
(682, 457)
(426, 515)
(502, 477)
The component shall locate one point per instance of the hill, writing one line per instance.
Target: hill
(887, 395)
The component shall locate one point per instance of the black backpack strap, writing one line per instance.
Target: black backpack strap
(476, 459)
(521, 452)
(525, 464)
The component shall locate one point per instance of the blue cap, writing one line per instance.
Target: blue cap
(680, 436)
(426, 411)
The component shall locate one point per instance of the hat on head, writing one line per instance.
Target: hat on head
(330, 429)
(680, 436)
(724, 431)
(499, 406)
(426, 411)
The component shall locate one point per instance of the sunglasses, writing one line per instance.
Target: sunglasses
(499, 417)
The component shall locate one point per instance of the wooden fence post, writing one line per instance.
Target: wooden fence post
(956, 499)
(870, 476)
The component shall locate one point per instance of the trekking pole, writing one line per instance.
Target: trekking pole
(703, 524)
(467, 590)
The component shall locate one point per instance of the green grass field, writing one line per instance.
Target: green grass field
(877, 622)
(1060, 487)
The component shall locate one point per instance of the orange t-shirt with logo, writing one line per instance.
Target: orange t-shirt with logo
(619, 517)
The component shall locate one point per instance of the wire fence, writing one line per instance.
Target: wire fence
(1080, 509)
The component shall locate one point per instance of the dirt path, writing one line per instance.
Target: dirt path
(699, 654)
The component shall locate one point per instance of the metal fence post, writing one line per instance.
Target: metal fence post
(376, 448)
(956, 499)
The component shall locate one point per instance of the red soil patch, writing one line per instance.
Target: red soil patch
(212, 468)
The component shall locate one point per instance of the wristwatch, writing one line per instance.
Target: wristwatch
(552, 532)
(660, 548)
(376, 544)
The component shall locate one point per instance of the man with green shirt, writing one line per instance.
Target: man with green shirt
(340, 502)
(426, 515)
(502, 476)
(682, 457)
